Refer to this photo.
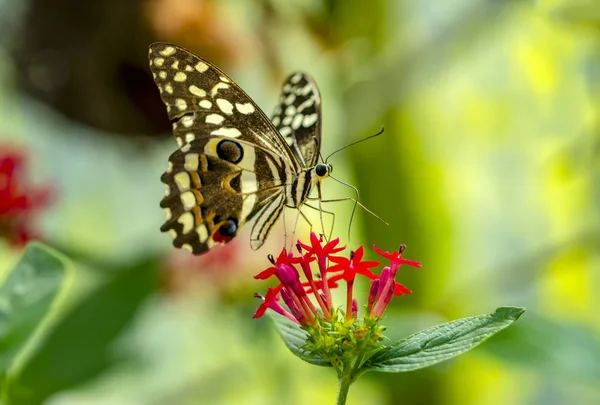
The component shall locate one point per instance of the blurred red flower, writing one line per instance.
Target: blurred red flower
(19, 200)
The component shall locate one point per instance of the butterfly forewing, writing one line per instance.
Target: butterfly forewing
(202, 101)
(297, 117)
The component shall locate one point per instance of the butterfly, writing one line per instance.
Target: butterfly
(233, 163)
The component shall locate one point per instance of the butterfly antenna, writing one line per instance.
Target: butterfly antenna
(355, 142)
(356, 203)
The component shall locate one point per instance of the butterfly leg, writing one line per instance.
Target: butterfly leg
(284, 229)
(356, 203)
(306, 220)
(322, 211)
(295, 226)
(300, 213)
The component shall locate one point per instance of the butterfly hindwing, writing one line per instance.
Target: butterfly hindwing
(213, 188)
(297, 117)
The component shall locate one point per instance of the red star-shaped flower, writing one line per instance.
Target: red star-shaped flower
(353, 266)
(396, 258)
(318, 250)
(270, 301)
(283, 258)
(19, 201)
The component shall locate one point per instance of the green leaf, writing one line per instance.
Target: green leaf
(294, 338)
(80, 345)
(26, 297)
(441, 342)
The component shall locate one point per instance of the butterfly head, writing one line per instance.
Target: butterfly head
(322, 170)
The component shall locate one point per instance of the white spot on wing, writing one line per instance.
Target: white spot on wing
(187, 121)
(306, 89)
(196, 91)
(309, 120)
(296, 78)
(290, 110)
(205, 104)
(276, 120)
(180, 104)
(297, 121)
(180, 77)
(217, 87)
(159, 61)
(202, 232)
(201, 67)
(228, 132)
(290, 99)
(187, 220)
(246, 108)
(188, 200)
(306, 103)
(182, 179)
(169, 50)
(285, 131)
(189, 137)
(214, 119)
(191, 162)
(225, 105)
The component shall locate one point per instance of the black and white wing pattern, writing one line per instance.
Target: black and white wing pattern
(297, 117)
(232, 163)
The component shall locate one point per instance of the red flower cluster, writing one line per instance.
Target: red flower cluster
(297, 294)
(18, 200)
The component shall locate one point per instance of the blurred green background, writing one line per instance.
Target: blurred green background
(488, 170)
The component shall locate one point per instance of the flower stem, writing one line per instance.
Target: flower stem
(343, 390)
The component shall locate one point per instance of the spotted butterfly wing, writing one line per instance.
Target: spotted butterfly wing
(297, 117)
(231, 165)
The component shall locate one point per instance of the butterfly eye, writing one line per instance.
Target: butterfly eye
(321, 170)
(229, 228)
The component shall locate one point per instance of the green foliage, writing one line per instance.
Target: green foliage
(294, 338)
(25, 299)
(79, 345)
(422, 349)
(441, 342)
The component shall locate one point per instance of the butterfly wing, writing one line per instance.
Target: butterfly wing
(213, 189)
(202, 101)
(231, 164)
(297, 117)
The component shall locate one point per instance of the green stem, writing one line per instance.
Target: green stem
(343, 390)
